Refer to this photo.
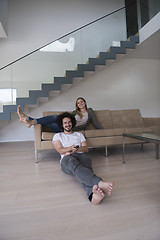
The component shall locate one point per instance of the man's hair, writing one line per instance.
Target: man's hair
(66, 115)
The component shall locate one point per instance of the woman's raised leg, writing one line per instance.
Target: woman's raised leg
(47, 121)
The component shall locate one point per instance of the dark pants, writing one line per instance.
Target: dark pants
(79, 165)
(48, 121)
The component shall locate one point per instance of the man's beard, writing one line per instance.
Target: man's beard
(68, 130)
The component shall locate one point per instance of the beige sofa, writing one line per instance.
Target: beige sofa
(114, 124)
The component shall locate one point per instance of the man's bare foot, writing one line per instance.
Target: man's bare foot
(106, 187)
(97, 196)
(21, 115)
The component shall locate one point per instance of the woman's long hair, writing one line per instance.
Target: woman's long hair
(78, 109)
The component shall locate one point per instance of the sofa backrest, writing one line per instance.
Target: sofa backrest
(104, 119)
(109, 119)
(50, 113)
(127, 118)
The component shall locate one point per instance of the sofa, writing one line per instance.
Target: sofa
(114, 124)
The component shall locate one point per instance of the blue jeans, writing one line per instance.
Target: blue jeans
(79, 165)
(48, 121)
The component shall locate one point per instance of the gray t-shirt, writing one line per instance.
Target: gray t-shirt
(81, 120)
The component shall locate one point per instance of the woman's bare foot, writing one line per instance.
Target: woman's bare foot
(21, 115)
(97, 196)
(29, 123)
(23, 118)
(106, 187)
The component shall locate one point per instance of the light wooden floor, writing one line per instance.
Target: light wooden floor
(39, 202)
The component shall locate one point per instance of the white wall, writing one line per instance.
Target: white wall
(151, 27)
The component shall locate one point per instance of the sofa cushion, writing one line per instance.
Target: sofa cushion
(103, 132)
(46, 136)
(155, 128)
(127, 118)
(47, 145)
(104, 141)
(138, 130)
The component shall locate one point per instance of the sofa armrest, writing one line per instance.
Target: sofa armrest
(37, 136)
(154, 121)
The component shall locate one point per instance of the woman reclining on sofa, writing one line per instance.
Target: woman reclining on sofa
(82, 114)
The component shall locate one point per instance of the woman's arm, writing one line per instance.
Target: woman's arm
(93, 119)
(74, 112)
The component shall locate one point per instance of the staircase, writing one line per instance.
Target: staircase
(68, 79)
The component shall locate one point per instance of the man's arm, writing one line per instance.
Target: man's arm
(83, 148)
(59, 148)
(93, 119)
(69, 150)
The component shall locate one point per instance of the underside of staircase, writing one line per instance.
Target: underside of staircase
(70, 75)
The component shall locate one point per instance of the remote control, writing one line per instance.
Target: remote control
(77, 146)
